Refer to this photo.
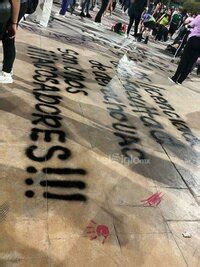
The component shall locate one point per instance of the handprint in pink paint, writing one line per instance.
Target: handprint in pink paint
(94, 230)
(154, 200)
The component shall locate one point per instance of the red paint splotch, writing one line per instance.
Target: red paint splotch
(153, 200)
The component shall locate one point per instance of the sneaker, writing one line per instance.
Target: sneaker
(171, 80)
(1, 67)
(88, 16)
(6, 77)
(58, 15)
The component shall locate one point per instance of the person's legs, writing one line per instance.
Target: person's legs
(137, 22)
(101, 11)
(172, 28)
(64, 7)
(182, 44)
(123, 4)
(83, 7)
(188, 58)
(9, 51)
(72, 6)
(127, 5)
(114, 4)
(182, 64)
(180, 36)
(93, 5)
(159, 33)
(192, 56)
(131, 21)
(87, 8)
(109, 6)
(165, 34)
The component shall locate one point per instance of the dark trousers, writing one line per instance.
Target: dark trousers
(189, 57)
(125, 5)
(104, 5)
(173, 27)
(9, 51)
(133, 18)
(86, 6)
(162, 33)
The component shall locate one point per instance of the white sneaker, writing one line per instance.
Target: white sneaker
(59, 15)
(1, 67)
(6, 77)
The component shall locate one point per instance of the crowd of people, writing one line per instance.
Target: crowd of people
(151, 19)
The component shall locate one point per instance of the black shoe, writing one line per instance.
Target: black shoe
(82, 15)
(88, 16)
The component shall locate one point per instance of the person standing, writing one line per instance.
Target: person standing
(8, 31)
(85, 7)
(135, 12)
(175, 22)
(190, 54)
(109, 7)
(162, 32)
(64, 6)
(99, 15)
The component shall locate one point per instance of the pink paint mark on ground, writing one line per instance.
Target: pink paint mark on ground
(153, 200)
(94, 231)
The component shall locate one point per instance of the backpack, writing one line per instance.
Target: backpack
(32, 6)
(119, 28)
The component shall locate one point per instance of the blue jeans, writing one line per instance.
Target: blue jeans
(86, 6)
(65, 4)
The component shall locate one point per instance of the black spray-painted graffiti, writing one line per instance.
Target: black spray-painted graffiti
(73, 75)
(132, 90)
(147, 114)
(122, 127)
(47, 121)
